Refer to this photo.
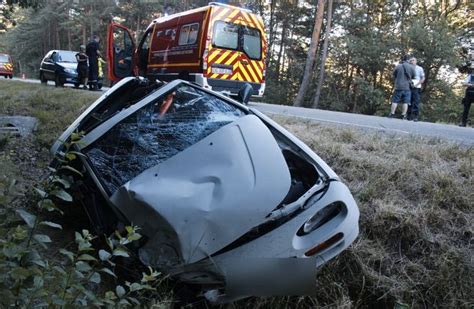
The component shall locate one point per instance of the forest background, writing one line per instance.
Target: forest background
(340, 59)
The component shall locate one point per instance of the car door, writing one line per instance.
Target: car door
(49, 66)
(120, 52)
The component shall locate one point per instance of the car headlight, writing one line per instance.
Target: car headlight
(71, 71)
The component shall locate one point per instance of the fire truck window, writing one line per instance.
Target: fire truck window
(184, 35)
(193, 33)
(226, 35)
(252, 43)
(188, 34)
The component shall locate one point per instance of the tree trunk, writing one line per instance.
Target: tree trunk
(313, 47)
(271, 35)
(280, 53)
(323, 56)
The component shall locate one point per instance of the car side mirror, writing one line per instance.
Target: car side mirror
(245, 93)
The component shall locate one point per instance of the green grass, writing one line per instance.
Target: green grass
(54, 107)
(415, 195)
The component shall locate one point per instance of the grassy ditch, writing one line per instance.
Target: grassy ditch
(415, 195)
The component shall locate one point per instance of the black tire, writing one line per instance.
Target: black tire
(10, 76)
(43, 79)
(99, 86)
(5, 76)
(57, 81)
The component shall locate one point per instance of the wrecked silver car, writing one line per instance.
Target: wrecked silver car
(226, 198)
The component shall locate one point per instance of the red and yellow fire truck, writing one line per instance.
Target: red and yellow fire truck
(6, 66)
(218, 46)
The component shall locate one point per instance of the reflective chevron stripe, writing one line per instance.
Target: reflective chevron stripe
(252, 71)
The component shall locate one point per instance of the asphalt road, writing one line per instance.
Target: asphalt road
(403, 127)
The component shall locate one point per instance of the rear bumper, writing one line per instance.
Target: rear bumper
(5, 73)
(232, 86)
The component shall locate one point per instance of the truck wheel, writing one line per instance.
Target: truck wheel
(43, 79)
(58, 82)
(5, 76)
(10, 76)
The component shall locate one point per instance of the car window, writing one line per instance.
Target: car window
(226, 35)
(238, 37)
(66, 56)
(161, 129)
(252, 43)
(4, 58)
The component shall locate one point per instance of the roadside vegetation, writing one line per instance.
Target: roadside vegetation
(415, 196)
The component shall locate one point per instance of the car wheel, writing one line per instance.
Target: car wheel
(58, 82)
(43, 79)
(99, 86)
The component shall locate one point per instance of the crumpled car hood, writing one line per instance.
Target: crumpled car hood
(211, 193)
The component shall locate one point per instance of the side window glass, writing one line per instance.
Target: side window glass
(188, 34)
(184, 35)
(193, 33)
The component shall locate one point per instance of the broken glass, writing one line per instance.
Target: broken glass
(168, 125)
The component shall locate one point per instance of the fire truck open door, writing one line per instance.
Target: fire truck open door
(120, 52)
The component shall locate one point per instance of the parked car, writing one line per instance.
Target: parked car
(6, 66)
(227, 200)
(59, 66)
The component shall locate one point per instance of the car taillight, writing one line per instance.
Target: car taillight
(204, 60)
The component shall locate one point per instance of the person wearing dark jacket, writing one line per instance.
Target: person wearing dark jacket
(402, 76)
(468, 97)
(93, 52)
(82, 67)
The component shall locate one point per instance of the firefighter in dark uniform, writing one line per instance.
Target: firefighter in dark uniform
(93, 52)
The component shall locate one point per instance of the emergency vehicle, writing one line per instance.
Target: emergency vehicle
(220, 47)
(6, 66)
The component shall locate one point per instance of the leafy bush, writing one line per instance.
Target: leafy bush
(30, 277)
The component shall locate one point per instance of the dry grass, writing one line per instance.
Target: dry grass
(416, 201)
(415, 196)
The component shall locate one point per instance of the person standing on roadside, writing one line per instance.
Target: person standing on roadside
(414, 108)
(93, 52)
(402, 76)
(82, 67)
(468, 96)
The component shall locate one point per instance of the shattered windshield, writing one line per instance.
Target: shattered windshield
(156, 132)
